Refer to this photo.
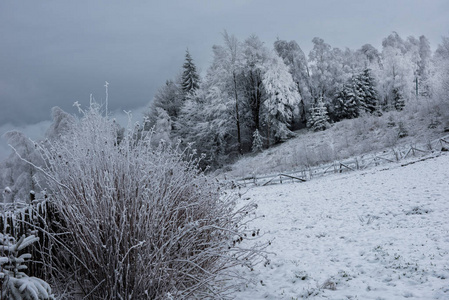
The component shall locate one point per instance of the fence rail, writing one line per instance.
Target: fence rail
(347, 165)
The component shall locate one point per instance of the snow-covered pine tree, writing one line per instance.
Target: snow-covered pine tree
(257, 142)
(15, 284)
(398, 99)
(366, 91)
(346, 105)
(190, 77)
(319, 119)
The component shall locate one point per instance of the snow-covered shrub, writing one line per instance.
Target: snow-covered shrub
(15, 284)
(402, 130)
(141, 221)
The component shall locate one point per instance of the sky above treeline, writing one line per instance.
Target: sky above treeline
(54, 53)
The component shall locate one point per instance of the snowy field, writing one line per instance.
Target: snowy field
(381, 233)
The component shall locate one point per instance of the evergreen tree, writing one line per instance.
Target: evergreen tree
(319, 119)
(398, 99)
(190, 78)
(15, 283)
(257, 142)
(346, 105)
(366, 92)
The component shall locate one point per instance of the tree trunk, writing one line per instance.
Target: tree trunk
(237, 116)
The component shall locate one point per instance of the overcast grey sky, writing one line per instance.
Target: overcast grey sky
(56, 52)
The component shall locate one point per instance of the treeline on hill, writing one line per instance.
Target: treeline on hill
(253, 97)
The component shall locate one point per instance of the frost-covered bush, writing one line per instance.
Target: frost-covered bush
(141, 221)
(15, 284)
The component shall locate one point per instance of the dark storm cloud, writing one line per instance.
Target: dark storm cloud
(58, 52)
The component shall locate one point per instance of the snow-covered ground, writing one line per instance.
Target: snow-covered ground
(381, 233)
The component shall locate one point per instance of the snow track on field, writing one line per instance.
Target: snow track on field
(381, 233)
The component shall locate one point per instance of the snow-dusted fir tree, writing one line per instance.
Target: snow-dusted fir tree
(319, 119)
(282, 99)
(257, 142)
(398, 99)
(15, 283)
(345, 103)
(365, 89)
(190, 78)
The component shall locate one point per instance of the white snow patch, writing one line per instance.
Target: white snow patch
(381, 233)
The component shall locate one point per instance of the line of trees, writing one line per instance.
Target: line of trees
(253, 96)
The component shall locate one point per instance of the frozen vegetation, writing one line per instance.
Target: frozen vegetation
(141, 212)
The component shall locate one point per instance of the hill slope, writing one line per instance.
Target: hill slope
(374, 234)
(419, 123)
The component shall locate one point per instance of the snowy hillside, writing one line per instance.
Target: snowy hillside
(381, 233)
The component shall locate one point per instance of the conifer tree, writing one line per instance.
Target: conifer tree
(257, 142)
(190, 78)
(366, 91)
(346, 104)
(319, 119)
(398, 99)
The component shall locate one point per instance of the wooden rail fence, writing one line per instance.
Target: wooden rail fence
(357, 163)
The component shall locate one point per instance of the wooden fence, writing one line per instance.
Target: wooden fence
(352, 164)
